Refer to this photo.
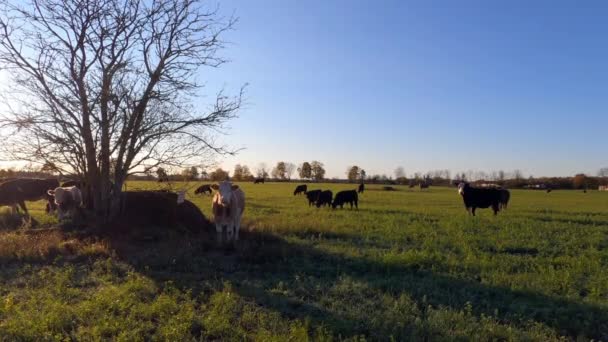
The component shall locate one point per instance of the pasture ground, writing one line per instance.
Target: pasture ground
(408, 265)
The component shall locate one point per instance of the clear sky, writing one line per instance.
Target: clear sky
(483, 85)
(459, 85)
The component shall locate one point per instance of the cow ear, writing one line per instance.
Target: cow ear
(234, 187)
(215, 187)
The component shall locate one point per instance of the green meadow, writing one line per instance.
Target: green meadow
(408, 265)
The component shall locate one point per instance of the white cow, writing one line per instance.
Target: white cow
(228, 206)
(68, 200)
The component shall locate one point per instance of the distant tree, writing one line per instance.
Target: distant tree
(517, 175)
(218, 175)
(262, 170)
(363, 175)
(353, 173)
(305, 170)
(579, 181)
(279, 171)
(162, 174)
(399, 172)
(318, 172)
(603, 172)
(237, 174)
(289, 169)
(204, 175)
(501, 175)
(190, 174)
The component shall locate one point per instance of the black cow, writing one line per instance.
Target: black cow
(347, 196)
(361, 188)
(480, 198)
(324, 198)
(300, 189)
(258, 180)
(505, 195)
(17, 191)
(205, 188)
(423, 186)
(312, 196)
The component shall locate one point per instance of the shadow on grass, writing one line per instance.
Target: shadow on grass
(261, 261)
(579, 221)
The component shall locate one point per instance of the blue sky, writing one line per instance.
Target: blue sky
(459, 85)
(482, 85)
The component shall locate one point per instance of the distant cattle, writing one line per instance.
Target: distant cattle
(423, 185)
(258, 180)
(15, 192)
(203, 189)
(324, 198)
(162, 179)
(312, 196)
(347, 196)
(68, 200)
(300, 189)
(228, 205)
(480, 198)
(361, 188)
(388, 188)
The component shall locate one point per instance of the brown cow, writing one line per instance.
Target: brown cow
(16, 192)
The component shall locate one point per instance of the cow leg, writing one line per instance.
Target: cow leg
(473, 210)
(357, 205)
(218, 230)
(495, 207)
(22, 205)
(230, 232)
(237, 228)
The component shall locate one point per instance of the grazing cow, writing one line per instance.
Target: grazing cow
(203, 189)
(505, 195)
(68, 200)
(324, 198)
(300, 189)
(479, 198)
(347, 196)
(258, 180)
(228, 205)
(312, 196)
(17, 191)
(423, 185)
(361, 188)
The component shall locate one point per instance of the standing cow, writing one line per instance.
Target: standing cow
(15, 192)
(347, 196)
(300, 189)
(480, 198)
(228, 205)
(361, 188)
(203, 189)
(312, 196)
(68, 201)
(324, 198)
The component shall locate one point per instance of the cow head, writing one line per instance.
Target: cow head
(224, 189)
(63, 200)
(461, 187)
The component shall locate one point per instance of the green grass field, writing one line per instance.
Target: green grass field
(408, 265)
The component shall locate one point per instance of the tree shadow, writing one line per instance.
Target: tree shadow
(261, 261)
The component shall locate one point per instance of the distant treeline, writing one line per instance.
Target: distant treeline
(315, 172)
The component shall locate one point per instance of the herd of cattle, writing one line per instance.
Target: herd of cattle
(228, 201)
(321, 198)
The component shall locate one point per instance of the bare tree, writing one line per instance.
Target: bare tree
(290, 168)
(111, 80)
(399, 172)
(603, 172)
(262, 170)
